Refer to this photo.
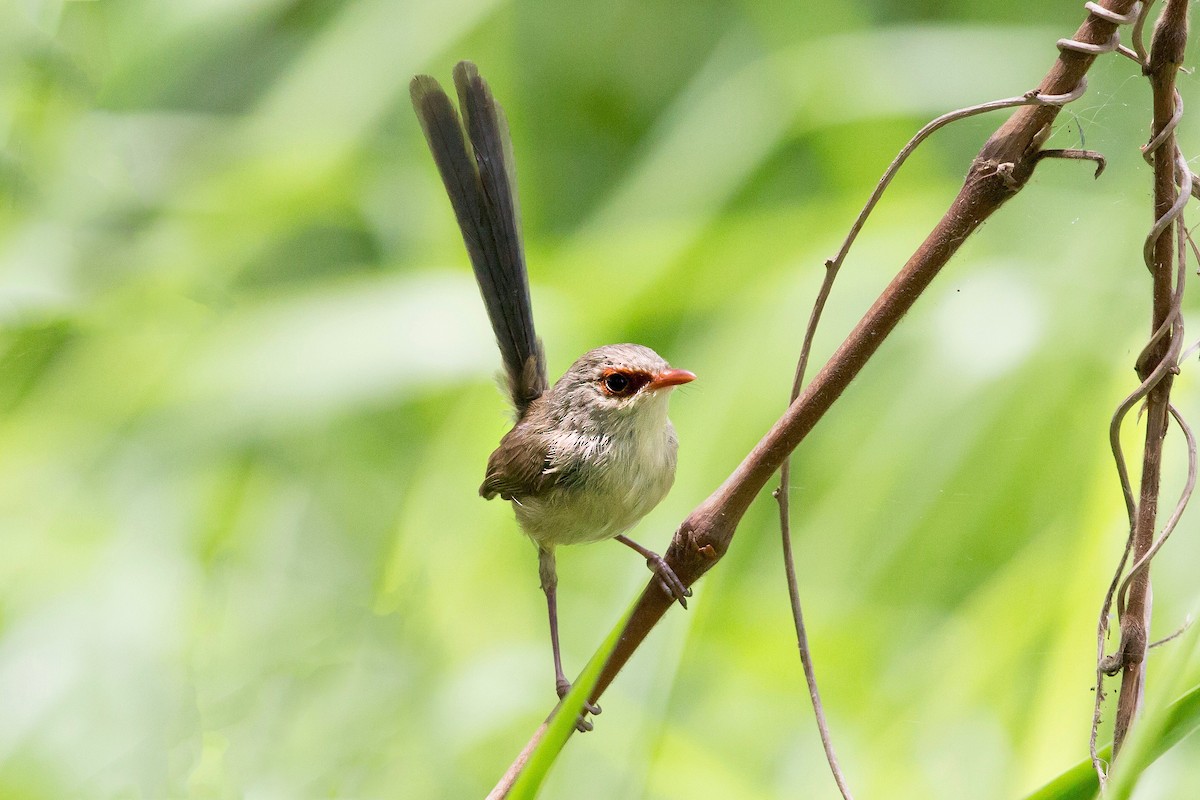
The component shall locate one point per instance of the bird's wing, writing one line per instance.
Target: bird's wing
(481, 183)
(527, 464)
(515, 467)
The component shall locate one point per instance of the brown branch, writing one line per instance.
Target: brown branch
(1002, 168)
(1166, 57)
(832, 267)
(1112, 664)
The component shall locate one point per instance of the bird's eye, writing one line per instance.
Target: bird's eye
(623, 382)
(617, 383)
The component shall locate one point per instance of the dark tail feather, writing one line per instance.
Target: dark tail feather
(482, 189)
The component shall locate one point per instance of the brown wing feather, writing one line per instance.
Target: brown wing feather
(526, 464)
(516, 467)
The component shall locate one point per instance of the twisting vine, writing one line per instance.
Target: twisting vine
(1000, 170)
(1165, 256)
(832, 267)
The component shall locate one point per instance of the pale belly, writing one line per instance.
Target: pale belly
(596, 510)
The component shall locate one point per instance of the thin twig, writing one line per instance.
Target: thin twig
(789, 561)
(1182, 629)
(834, 264)
(1139, 26)
(1162, 257)
(806, 662)
(1173, 521)
(1190, 484)
(1168, 364)
(1003, 167)
(1075, 154)
(832, 267)
(1111, 665)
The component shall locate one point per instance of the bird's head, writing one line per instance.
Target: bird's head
(618, 381)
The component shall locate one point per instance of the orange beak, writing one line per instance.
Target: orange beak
(670, 377)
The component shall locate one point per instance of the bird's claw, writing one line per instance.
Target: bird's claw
(668, 580)
(562, 687)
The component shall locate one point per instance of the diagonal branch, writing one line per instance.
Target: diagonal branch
(1002, 168)
(832, 267)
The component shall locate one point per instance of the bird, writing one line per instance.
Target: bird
(588, 457)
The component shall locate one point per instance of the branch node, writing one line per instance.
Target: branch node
(1110, 665)
(1073, 154)
(1170, 39)
(1133, 648)
(1004, 171)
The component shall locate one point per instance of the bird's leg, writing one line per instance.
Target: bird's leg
(549, 576)
(667, 578)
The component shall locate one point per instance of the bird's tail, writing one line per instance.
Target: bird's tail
(481, 182)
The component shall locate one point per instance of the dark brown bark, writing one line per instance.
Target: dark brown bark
(1002, 168)
(1166, 56)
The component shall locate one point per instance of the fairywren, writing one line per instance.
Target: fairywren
(591, 455)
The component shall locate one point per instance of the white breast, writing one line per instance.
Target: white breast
(629, 471)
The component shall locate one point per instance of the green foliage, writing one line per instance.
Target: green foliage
(560, 727)
(246, 400)
(1156, 736)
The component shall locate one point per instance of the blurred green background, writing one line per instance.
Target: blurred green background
(246, 398)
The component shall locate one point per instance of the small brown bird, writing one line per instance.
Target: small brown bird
(590, 456)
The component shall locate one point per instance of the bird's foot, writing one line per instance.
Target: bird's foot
(562, 686)
(667, 578)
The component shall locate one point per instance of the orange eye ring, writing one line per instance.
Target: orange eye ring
(622, 383)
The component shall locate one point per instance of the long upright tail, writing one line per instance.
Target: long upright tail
(481, 182)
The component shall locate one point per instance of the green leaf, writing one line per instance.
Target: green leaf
(1182, 718)
(562, 722)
